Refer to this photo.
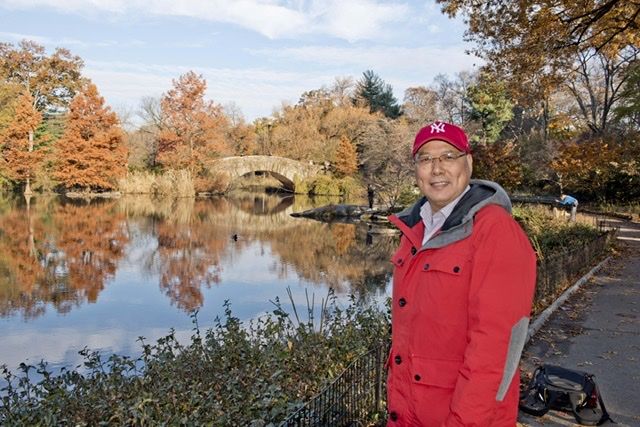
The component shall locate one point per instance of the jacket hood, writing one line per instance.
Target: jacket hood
(459, 224)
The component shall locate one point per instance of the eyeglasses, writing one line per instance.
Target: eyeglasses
(446, 159)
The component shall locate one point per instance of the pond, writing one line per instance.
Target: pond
(103, 273)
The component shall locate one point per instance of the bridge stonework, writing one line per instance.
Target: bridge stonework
(287, 171)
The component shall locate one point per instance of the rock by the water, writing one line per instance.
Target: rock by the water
(334, 211)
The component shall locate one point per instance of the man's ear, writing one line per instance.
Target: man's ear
(470, 163)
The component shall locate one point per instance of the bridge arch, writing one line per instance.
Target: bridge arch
(287, 171)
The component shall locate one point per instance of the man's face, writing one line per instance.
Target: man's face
(442, 181)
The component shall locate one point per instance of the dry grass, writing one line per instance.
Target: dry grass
(177, 183)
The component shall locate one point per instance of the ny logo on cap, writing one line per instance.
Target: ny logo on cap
(437, 127)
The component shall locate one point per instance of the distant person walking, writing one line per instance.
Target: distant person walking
(571, 201)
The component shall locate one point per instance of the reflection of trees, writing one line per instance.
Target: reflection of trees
(189, 256)
(335, 254)
(58, 254)
(191, 238)
(92, 241)
(27, 266)
(62, 254)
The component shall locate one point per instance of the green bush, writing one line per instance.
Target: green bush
(325, 185)
(350, 187)
(301, 186)
(234, 374)
(550, 235)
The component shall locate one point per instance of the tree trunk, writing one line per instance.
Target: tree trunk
(27, 187)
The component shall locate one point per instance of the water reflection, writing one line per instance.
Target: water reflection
(57, 253)
(122, 267)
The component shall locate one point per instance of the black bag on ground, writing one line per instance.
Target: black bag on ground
(554, 387)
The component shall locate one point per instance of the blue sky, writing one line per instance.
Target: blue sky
(256, 54)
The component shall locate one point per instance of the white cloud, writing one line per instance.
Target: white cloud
(16, 37)
(419, 60)
(66, 41)
(256, 91)
(359, 19)
(349, 20)
(259, 90)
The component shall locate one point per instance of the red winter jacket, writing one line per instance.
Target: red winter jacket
(460, 314)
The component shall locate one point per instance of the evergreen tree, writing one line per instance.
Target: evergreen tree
(92, 152)
(491, 107)
(373, 92)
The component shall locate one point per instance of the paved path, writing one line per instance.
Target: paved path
(598, 330)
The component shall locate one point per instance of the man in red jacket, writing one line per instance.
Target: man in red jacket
(463, 286)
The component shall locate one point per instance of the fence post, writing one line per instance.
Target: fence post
(378, 391)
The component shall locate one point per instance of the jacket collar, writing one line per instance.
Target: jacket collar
(459, 225)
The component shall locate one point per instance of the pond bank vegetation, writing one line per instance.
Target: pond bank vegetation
(235, 372)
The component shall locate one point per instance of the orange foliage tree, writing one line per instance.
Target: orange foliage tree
(600, 168)
(193, 130)
(52, 79)
(498, 162)
(20, 158)
(92, 154)
(346, 158)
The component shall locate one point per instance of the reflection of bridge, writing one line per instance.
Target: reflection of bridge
(263, 214)
(287, 171)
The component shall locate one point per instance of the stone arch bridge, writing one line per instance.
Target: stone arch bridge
(287, 171)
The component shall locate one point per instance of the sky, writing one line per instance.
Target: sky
(254, 54)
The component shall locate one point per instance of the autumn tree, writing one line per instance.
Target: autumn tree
(385, 159)
(420, 106)
(346, 163)
(536, 33)
(603, 168)
(91, 153)
(596, 84)
(9, 93)
(192, 129)
(499, 162)
(312, 129)
(240, 135)
(536, 45)
(296, 133)
(375, 93)
(629, 108)
(52, 79)
(18, 154)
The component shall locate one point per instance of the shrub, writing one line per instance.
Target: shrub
(301, 186)
(350, 187)
(551, 235)
(325, 185)
(233, 374)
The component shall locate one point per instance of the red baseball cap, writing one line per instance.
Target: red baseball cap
(442, 131)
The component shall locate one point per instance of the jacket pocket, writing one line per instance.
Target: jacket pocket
(435, 372)
(454, 266)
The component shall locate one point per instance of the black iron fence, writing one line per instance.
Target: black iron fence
(352, 399)
(558, 271)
